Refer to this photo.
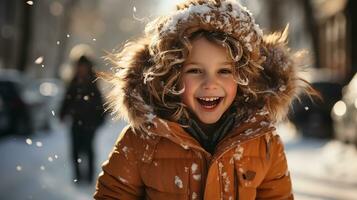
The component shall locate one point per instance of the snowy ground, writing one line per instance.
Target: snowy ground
(320, 169)
(39, 168)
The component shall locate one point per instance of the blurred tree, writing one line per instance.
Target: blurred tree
(352, 29)
(275, 14)
(64, 26)
(25, 35)
(15, 31)
(311, 27)
(28, 30)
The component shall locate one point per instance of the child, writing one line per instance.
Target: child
(202, 91)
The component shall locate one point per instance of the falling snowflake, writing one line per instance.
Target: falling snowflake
(134, 9)
(28, 141)
(79, 160)
(39, 144)
(39, 60)
(53, 112)
(42, 168)
(58, 42)
(50, 159)
(18, 168)
(29, 3)
(68, 36)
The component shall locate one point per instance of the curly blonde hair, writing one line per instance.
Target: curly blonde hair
(163, 80)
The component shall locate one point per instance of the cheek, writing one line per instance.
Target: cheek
(231, 88)
(188, 94)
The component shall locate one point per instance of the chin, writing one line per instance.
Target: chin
(209, 120)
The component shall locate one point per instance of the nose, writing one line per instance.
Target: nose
(210, 82)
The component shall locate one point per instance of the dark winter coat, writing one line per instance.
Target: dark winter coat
(84, 104)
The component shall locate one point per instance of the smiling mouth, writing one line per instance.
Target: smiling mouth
(209, 102)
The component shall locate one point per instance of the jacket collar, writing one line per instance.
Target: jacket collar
(209, 140)
(254, 126)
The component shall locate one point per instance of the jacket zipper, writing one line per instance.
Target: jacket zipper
(205, 166)
(236, 184)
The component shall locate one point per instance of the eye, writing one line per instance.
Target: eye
(194, 71)
(225, 71)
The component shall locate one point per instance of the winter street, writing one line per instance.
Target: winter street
(213, 77)
(40, 169)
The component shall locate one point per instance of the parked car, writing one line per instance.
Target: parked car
(14, 112)
(344, 114)
(34, 102)
(312, 117)
(43, 97)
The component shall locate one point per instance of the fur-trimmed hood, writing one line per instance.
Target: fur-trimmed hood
(275, 84)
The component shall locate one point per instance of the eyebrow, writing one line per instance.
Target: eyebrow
(198, 63)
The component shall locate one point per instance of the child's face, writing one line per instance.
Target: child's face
(208, 80)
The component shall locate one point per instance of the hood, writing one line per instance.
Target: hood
(275, 82)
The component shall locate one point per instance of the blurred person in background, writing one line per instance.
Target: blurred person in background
(83, 103)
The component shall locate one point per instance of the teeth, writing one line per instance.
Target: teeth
(209, 99)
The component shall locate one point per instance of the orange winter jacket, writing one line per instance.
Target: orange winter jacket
(168, 163)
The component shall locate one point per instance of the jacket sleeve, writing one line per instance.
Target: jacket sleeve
(120, 177)
(277, 183)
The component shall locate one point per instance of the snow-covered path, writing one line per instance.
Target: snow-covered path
(322, 169)
(40, 169)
